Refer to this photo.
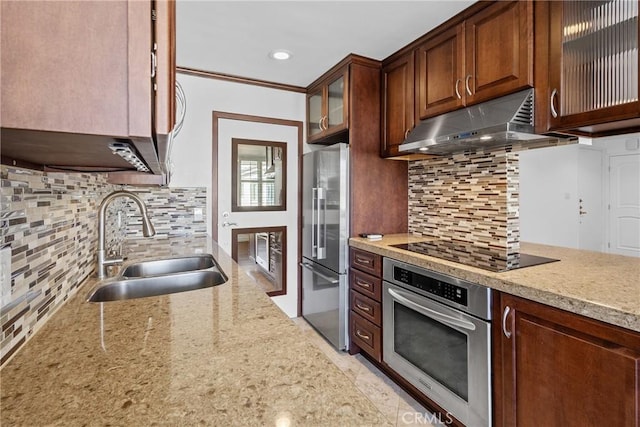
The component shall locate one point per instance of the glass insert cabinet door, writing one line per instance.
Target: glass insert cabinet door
(327, 106)
(335, 103)
(316, 115)
(259, 180)
(594, 51)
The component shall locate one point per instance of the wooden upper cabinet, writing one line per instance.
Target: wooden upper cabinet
(592, 60)
(488, 55)
(440, 70)
(77, 76)
(552, 367)
(499, 51)
(397, 103)
(328, 106)
(65, 67)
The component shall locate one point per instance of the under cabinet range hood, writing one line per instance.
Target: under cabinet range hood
(499, 122)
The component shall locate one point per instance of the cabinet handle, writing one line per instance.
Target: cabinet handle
(363, 284)
(325, 122)
(154, 64)
(457, 91)
(361, 335)
(362, 260)
(466, 84)
(363, 307)
(554, 113)
(406, 133)
(506, 333)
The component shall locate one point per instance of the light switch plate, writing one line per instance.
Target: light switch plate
(197, 215)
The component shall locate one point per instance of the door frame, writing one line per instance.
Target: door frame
(216, 116)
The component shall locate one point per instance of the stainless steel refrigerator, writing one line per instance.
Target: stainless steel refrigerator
(325, 231)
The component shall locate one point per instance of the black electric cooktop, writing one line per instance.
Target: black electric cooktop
(474, 256)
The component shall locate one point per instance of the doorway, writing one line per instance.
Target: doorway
(259, 251)
(261, 199)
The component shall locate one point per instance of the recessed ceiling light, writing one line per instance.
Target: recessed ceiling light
(486, 137)
(280, 54)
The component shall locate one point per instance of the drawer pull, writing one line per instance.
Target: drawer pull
(363, 260)
(363, 307)
(361, 335)
(363, 284)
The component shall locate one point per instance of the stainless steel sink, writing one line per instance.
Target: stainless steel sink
(168, 266)
(160, 277)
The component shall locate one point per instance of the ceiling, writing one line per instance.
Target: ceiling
(235, 37)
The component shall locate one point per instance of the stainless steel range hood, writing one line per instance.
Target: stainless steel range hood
(499, 122)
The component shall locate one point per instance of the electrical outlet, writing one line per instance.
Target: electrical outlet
(197, 215)
(5, 276)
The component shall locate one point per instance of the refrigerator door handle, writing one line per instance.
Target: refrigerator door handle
(317, 273)
(314, 243)
(322, 224)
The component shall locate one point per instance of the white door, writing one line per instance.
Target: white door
(229, 129)
(589, 209)
(624, 204)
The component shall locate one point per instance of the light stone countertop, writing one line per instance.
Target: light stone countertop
(596, 285)
(222, 356)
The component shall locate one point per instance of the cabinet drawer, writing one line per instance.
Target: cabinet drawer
(366, 307)
(366, 284)
(366, 335)
(366, 261)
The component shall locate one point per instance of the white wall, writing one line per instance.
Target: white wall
(548, 196)
(192, 155)
(551, 183)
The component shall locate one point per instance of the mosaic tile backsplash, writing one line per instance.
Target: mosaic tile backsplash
(49, 223)
(468, 203)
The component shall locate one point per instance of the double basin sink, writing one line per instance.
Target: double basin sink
(160, 277)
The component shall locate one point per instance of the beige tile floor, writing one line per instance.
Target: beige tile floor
(397, 405)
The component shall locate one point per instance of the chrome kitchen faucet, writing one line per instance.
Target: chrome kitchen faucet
(147, 228)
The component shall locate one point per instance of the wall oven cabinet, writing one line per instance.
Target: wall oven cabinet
(436, 335)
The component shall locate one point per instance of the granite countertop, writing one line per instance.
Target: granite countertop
(597, 285)
(219, 356)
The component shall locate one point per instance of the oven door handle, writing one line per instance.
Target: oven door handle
(443, 318)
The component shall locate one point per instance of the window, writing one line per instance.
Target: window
(259, 175)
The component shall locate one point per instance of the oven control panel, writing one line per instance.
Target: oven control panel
(431, 285)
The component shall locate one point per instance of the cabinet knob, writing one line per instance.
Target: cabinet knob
(457, 91)
(505, 314)
(466, 84)
(554, 94)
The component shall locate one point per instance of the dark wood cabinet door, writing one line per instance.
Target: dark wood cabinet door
(558, 368)
(440, 73)
(499, 51)
(328, 106)
(397, 103)
(593, 67)
(65, 67)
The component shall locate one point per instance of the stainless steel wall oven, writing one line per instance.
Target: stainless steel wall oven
(436, 334)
